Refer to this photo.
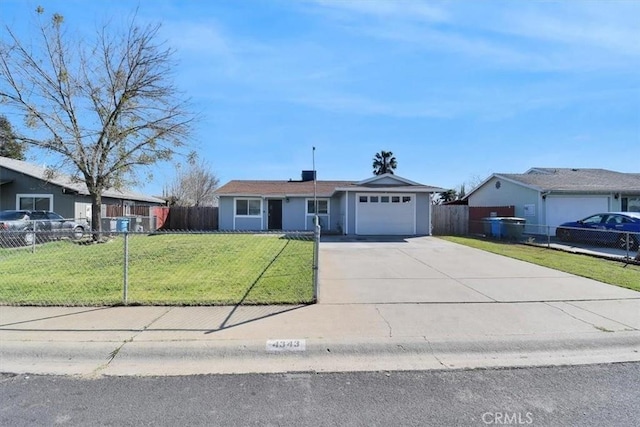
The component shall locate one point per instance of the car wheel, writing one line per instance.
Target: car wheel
(622, 242)
(78, 233)
(28, 237)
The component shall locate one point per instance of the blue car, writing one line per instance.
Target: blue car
(612, 229)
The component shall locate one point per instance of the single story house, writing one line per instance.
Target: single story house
(382, 205)
(551, 196)
(27, 186)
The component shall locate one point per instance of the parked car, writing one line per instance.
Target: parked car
(610, 228)
(26, 225)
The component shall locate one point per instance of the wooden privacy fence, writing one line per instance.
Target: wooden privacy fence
(462, 220)
(450, 220)
(194, 218)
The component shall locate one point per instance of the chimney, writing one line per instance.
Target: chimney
(308, 176)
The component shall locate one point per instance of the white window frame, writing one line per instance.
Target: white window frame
(247, 199)
(34, 196)
(306, 207)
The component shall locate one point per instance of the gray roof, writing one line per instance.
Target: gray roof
(578, 180)
(66, 181)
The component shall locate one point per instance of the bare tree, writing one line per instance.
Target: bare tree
(104, 106)
(193, 186)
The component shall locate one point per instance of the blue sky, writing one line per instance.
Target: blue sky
(457, 89)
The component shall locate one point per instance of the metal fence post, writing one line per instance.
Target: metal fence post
(628, 245)
(34, 238)
(548, 236)
(316, 251)
(126, 269)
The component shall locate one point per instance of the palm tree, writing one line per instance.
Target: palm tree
(384, 162)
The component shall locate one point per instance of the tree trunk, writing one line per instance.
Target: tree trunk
(96, 215)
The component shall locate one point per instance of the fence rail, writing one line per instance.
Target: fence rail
(161, 268)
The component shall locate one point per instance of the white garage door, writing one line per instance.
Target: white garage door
(565, 209)
(385, 214)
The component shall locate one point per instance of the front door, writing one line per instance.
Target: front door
(275, 214)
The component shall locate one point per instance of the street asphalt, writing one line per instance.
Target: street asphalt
(388, 304)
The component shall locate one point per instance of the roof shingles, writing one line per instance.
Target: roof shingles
(280, 188)
(579, 180)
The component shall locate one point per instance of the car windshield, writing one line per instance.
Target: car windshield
(11, 215)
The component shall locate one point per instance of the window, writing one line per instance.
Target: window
(406, 199)
(630, 204)
(373, 199)
(35, 202)
(395, 199)
(384, 199)
(323, 207)
(363, 199)
(248, 207)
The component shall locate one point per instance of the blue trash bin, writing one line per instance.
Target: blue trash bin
(493, 227)
(122, 224)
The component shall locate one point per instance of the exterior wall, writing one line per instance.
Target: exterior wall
(340, 219)
(225, 213)
(351, 213)
(293, 214)
(248, 224)
(423, 214)
(527, 201)
(68, 205)
(62, 203)
(387, 180)
(327, 222)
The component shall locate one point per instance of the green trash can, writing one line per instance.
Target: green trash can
(513, 227)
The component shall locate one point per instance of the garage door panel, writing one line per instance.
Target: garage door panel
(565, 209)
(377, 218)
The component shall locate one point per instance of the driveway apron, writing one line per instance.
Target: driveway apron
(431, 270)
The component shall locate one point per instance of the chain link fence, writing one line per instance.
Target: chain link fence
(161, 268)
(595, 241)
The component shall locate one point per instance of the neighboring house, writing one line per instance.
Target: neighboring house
(27, 186)
(551, 196)
(382, 205)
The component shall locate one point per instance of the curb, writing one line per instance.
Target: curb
(164, 358)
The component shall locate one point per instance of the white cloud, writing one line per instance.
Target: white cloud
(409, 9)
(612, 26)
(537, 36)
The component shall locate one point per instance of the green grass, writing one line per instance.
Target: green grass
(607, 271)
(179, 269)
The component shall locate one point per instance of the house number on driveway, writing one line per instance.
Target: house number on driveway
(286, 345)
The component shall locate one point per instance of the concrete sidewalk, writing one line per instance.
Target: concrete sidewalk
(415, 304)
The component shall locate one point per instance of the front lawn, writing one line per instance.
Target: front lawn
(606, 271)
(171, 269)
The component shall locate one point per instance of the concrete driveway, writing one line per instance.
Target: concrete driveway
(431, 270)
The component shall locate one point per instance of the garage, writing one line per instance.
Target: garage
(564, 209)
(385, 214)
